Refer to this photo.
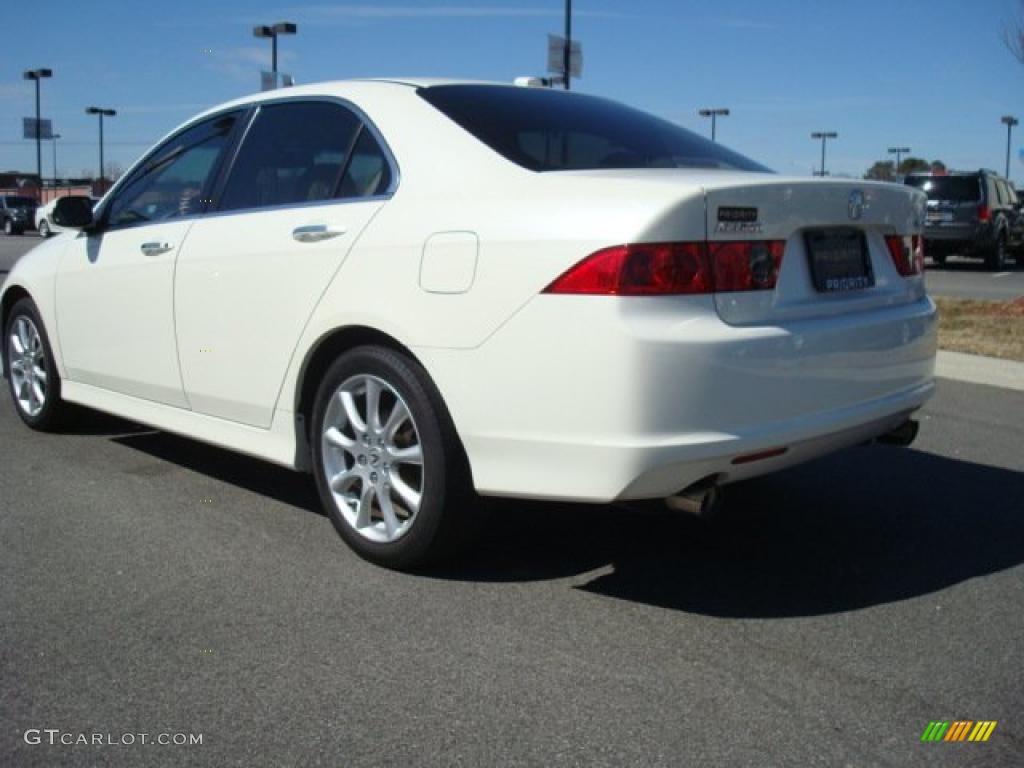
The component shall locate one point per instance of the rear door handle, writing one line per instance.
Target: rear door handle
(155, 249)
(314, 233)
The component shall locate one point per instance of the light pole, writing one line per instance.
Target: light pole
(713, 114)
(1009, 121)
(824, 136)
(272, 31)
(54, 137)
(899, 152)
(38, 75)
(102, 112)
(566, 54)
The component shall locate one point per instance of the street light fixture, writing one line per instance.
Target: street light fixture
(713, 114)
(824, 136)
(272, 31)
(102, 112)
(38, 75)
(899, 152)
(1009, 121)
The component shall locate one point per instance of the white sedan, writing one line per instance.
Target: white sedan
(417, 290)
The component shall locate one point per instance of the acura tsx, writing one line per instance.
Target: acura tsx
(419, 291)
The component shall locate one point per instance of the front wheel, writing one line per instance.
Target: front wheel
(33, 379)
(8, 227)
(389, 468)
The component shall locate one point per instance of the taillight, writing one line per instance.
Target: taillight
(907, 254)
(746, 266)
(984, 213)
(663, 269)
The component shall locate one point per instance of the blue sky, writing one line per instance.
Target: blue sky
(929, 74)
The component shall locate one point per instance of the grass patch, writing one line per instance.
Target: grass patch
(992, 328)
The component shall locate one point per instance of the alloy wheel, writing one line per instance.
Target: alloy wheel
(28, 365)
(372, 458)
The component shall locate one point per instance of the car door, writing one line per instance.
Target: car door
(307, 178)
(115, 283)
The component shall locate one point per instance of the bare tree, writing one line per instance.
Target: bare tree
(1013, 33)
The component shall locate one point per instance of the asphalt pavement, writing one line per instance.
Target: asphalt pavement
(155, 585)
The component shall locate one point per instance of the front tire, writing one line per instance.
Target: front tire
(9, 228)
(44, 229)
(388, 466)
(32, 373)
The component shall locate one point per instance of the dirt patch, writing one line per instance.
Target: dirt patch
(992, 328)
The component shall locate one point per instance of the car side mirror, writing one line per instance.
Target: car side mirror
(73, 212)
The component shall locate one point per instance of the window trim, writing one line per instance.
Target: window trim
(248, 112)
(103, 225)
(364, 123)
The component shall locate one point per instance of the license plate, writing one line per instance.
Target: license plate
(938, 216)
(839, 260)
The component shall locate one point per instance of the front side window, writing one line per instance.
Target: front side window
(547, 130)
(294, 152)
(176, 179)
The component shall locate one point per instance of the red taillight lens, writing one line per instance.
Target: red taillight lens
(907, 254)
(984, 213)
(746, 266)
(649, 269)
(663, 269)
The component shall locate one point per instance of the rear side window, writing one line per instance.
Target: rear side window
(960, 189)
(549, 130)
(292, 153)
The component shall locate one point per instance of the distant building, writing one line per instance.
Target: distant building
(27, 184)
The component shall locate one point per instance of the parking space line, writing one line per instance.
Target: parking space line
(1002, 274)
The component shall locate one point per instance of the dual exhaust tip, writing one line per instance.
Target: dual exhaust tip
(704, 498)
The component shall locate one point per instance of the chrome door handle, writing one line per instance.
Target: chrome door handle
(314, 233)
(155, 249)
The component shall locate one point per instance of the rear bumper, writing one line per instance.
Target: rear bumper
(598, 399)
(966, 238)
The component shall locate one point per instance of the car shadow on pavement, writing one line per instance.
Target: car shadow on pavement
(864, 527)
(260, 477)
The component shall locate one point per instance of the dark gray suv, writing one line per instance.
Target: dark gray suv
(17, 213)
(974, 214)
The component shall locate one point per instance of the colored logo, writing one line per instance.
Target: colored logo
(958, 730)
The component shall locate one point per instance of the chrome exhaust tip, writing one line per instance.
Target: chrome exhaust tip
(902, 436)
(702, 500)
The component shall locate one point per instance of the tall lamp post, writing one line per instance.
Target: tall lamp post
(1009, 121)
(38, 75)
(272, 31)
(824, 136)
(102, 112)
(899, 152)
(53, 138)
(713, 114)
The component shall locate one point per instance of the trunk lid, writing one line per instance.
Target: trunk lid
(824, 224)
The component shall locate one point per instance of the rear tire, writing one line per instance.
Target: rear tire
(388, 465)
(32, 374)
(44, 229)
(995, 260)
(939, 259)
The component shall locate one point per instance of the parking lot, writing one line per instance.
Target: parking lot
(153, 584)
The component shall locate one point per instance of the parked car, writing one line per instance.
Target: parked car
(17, 213)
(417, 290)
(975, 214)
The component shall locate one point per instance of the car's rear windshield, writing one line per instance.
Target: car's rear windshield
(952, 188)
(20, 202)
(549, 130)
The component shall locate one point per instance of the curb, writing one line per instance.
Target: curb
(977, 369)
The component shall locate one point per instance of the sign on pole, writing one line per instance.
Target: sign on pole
(30, 126)
(270, 81)
(556, 56)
